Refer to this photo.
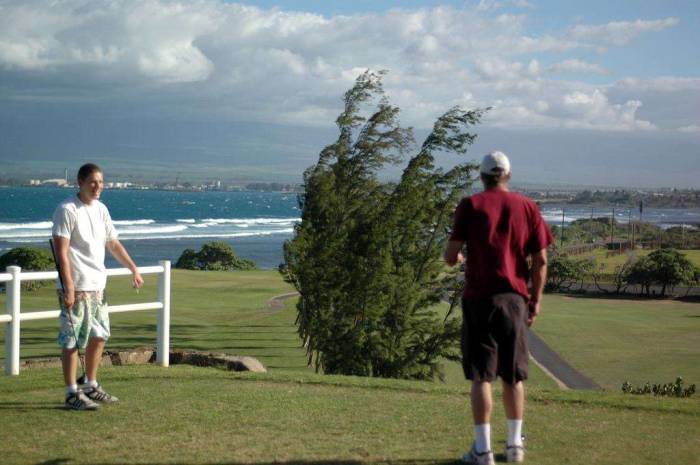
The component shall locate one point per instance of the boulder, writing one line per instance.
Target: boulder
(131, 357)
(218, 360)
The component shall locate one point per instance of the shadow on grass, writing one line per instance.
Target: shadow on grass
(31, 406)
(63, 461)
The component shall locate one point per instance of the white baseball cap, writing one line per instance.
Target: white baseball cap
(495, 163)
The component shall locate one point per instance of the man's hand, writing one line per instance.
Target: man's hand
(533, 309)
(137, 280)
(68, 298)
(453, 252)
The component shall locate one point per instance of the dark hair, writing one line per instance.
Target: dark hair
(87, 169)
(491, 180)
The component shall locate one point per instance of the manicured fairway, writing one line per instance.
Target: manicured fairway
(213, 311)
(217, 311)
(194, 415)
(614, 340)
(184, 414)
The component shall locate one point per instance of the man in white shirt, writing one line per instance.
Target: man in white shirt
(82, 229)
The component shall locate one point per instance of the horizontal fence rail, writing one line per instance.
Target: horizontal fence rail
(14, 277)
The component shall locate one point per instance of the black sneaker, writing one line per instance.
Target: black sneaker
(79, 401)
(100, 395)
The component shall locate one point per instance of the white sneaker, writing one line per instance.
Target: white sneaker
(79, 401)
(474, 458)
(515, 454)
(98, 394)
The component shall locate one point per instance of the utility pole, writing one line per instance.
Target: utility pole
(612, 230)
(630, 234)
(682, 235)
(641, 208)
(561, 239)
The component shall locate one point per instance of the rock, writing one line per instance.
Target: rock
(132, 357)
(147, 355)
(218, 360)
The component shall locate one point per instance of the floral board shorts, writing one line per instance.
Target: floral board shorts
(90, 318)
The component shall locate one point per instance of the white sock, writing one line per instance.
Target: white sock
(483, 437)
(71, 389)
(515, 429)
(91, 383)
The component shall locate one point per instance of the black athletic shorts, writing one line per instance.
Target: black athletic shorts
(494, 338)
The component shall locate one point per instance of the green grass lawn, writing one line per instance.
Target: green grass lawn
(185, 414)
(216, 311)
(211, 311)
(614, 340)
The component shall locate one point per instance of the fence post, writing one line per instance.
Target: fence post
(163, 346)
(12, 306)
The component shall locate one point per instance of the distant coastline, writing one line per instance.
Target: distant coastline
(255, 187)
(613, 197)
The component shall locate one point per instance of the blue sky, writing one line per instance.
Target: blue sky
(576, 87)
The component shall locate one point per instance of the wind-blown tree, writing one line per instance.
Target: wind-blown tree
(367, 256)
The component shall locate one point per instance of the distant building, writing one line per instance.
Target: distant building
(117, 185)
(55, 182)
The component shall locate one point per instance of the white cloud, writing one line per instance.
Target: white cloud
(593, 110)
(488, 5)
(691, 129)
(661, 84)
(620, 32)
(522, 4)
(210, 59)
(577, 66)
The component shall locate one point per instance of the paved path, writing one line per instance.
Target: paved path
(566, 376)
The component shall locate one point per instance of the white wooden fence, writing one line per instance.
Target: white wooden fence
(13, 316)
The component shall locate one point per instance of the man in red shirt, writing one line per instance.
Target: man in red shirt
(501, 230)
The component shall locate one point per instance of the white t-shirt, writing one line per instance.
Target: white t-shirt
(89, 228)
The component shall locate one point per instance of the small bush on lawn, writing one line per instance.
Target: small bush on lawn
(29, 259)
(675, 389)
(214, 256)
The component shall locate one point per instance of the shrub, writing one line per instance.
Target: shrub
(214, 256)
(665, 267)
(563, 272)
(675, 389)
(29, 259)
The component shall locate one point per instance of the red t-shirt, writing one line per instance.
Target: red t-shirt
(501, 230)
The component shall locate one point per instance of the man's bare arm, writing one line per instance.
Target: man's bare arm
(62, 246)
(122, 256)
(539, 277)
(453, 252)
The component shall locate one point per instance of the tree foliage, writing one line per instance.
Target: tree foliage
(214, 256)
(563, 272)
(366, 257)
(29, 259)
(664, 267)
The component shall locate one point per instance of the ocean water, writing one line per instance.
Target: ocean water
(159, 225)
